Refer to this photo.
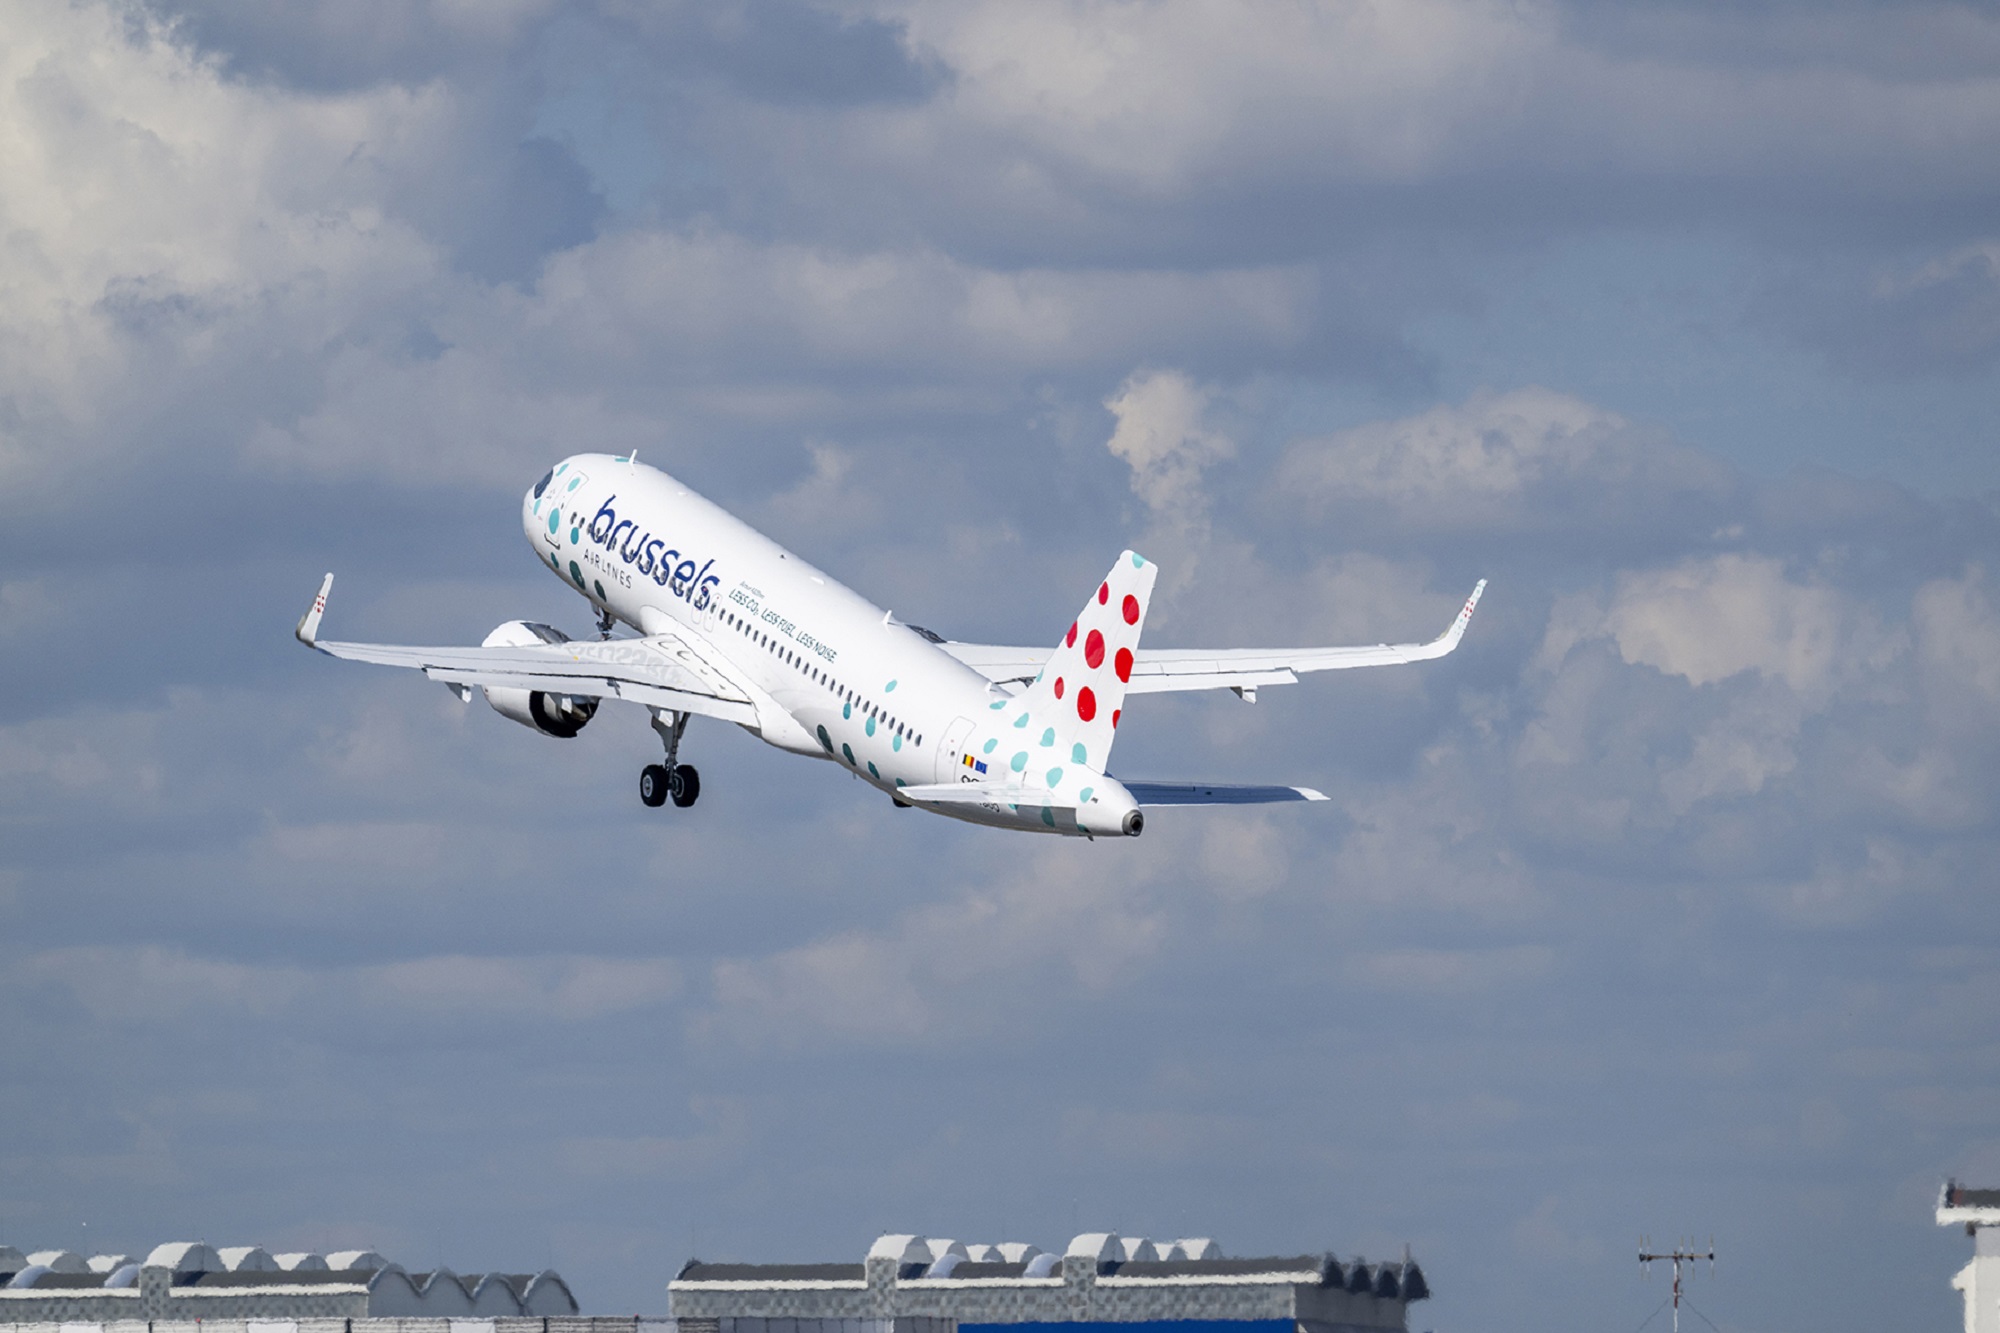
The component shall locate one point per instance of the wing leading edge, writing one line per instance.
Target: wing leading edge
(662, 670)
(1158, 670)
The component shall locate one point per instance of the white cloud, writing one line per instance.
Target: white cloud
(939, 971)
(1450, 973)
(1504, 460)
(1708, 619)
(153, 985)
(156, 212)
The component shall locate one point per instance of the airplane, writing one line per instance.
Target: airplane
(732, 626)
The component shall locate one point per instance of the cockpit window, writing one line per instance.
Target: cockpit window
(543, 484)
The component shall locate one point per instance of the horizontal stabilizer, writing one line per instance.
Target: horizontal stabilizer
(1215, 793)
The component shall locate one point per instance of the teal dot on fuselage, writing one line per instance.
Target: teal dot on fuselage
(1021, 721)
(847, 750)
(890, 688)
(869, 727)
(896, 743)
(1020, 762)
(1078, 755)
(600, 589)
(1048, 817)
(1049, 736)
(871, 769)
(991, 745)
(576, 575)
(575, 482)
(1055, 777)
(997, 705)
(825, 740)
(575, 536)
(847, 710)
(1083, 797)
(555, 521)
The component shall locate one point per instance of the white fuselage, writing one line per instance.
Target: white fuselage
(830, 674)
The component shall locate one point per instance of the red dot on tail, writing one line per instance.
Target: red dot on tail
(1124, 664)
(1131, 609)
(1093, 650)
(1058, 687)
(1086, 704)
(1070, 642)
(1103, 593)
(1114, 718)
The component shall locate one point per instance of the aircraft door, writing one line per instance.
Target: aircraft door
(951, 750)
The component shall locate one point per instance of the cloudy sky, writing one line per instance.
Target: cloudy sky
(1665, 907)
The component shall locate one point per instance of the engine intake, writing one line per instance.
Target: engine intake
(558, 715)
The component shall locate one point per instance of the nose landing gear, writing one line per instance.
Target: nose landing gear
(672, 780)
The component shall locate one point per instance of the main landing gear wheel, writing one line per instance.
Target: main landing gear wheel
(659, 781)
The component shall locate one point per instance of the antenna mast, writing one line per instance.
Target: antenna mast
(1680, 1254)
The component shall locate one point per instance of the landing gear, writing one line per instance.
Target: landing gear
(605, 620)
(658, 782)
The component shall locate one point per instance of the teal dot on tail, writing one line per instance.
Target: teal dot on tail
(1078, 755)
(1049, 736)
(1138, 561)
(991, 745)
(1055, 777)
(1020, 762)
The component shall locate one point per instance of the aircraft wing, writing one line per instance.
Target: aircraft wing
(663, 670)
(1157, 670)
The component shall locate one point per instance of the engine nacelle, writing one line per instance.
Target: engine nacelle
(559, 715)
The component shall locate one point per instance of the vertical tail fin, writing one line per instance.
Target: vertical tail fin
(1081, 690)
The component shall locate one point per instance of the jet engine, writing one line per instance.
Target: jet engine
(559, 715)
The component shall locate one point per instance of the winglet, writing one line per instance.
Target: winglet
(307, 630)
(1448, 640)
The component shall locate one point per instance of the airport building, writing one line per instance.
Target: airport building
(917, 1284)
(1978, 1211)
(185, 1282)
